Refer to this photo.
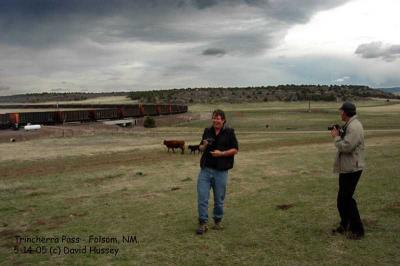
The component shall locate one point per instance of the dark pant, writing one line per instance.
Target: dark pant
(347, 206)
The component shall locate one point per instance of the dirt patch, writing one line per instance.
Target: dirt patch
(28, 191)
(14, 188)
(73, 201)
(9, 135)
(150, 195)
(8, 236)
(100, 180)
(285, 207)
(37, 193)
(70, 130)
(57, 221)
(79, 164)
(91, 128)
(7, 233)
(392, 207)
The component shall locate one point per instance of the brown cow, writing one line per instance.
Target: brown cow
(175, 144)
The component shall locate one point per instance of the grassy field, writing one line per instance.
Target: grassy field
(126, 184)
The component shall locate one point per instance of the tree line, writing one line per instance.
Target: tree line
(288, 92)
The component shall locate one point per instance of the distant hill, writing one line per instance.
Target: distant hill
(259, 94)
(395, 90)
(220, 94)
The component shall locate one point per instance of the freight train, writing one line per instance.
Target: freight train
(90, 113)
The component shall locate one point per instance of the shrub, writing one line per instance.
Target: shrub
(149, 122)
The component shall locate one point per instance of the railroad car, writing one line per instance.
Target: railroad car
(103, 114)
(149, 110)
(131, 111)
(184, 108)
(48, 117)
(96, 112)
(75, 116)
(174, 109)
(4, 121)
(164, 109)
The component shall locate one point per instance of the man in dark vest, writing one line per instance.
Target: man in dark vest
(349, 164)
(219, 146)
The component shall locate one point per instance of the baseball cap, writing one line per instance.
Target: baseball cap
(349, 108)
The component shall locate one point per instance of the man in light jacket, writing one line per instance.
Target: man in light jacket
(349, 164)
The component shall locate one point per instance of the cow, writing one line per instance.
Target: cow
(194, 148)
(175, 144)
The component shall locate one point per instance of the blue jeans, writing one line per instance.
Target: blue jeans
(211, 178)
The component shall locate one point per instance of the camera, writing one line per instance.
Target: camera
(334, 126)
(338, 127)
(210, 141)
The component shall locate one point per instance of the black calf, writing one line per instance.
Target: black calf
(194, 148)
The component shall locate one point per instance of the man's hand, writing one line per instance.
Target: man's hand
(217, 153)
(335, 133)
(203, 145)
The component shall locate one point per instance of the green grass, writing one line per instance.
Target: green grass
(295, 116)
(127, 184)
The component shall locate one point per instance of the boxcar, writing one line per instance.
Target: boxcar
(4, 121)
(182, 108)
(111, 113)
(131, 111)
(149, 110)
(164, 109)
(75, 116)
(174, 109)
(49, 117)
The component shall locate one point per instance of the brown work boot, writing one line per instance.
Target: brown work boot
(203, 227)
(218, 226)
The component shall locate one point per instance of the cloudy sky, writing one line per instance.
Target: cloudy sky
(122, 45)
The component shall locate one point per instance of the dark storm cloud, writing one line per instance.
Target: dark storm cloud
(44, 23)
(284, 10)
(386, 52)
(205, 3)
(214, 51)
(137, 44)
(181, 70)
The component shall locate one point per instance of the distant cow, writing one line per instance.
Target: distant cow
(175, 144)
(194, 148)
